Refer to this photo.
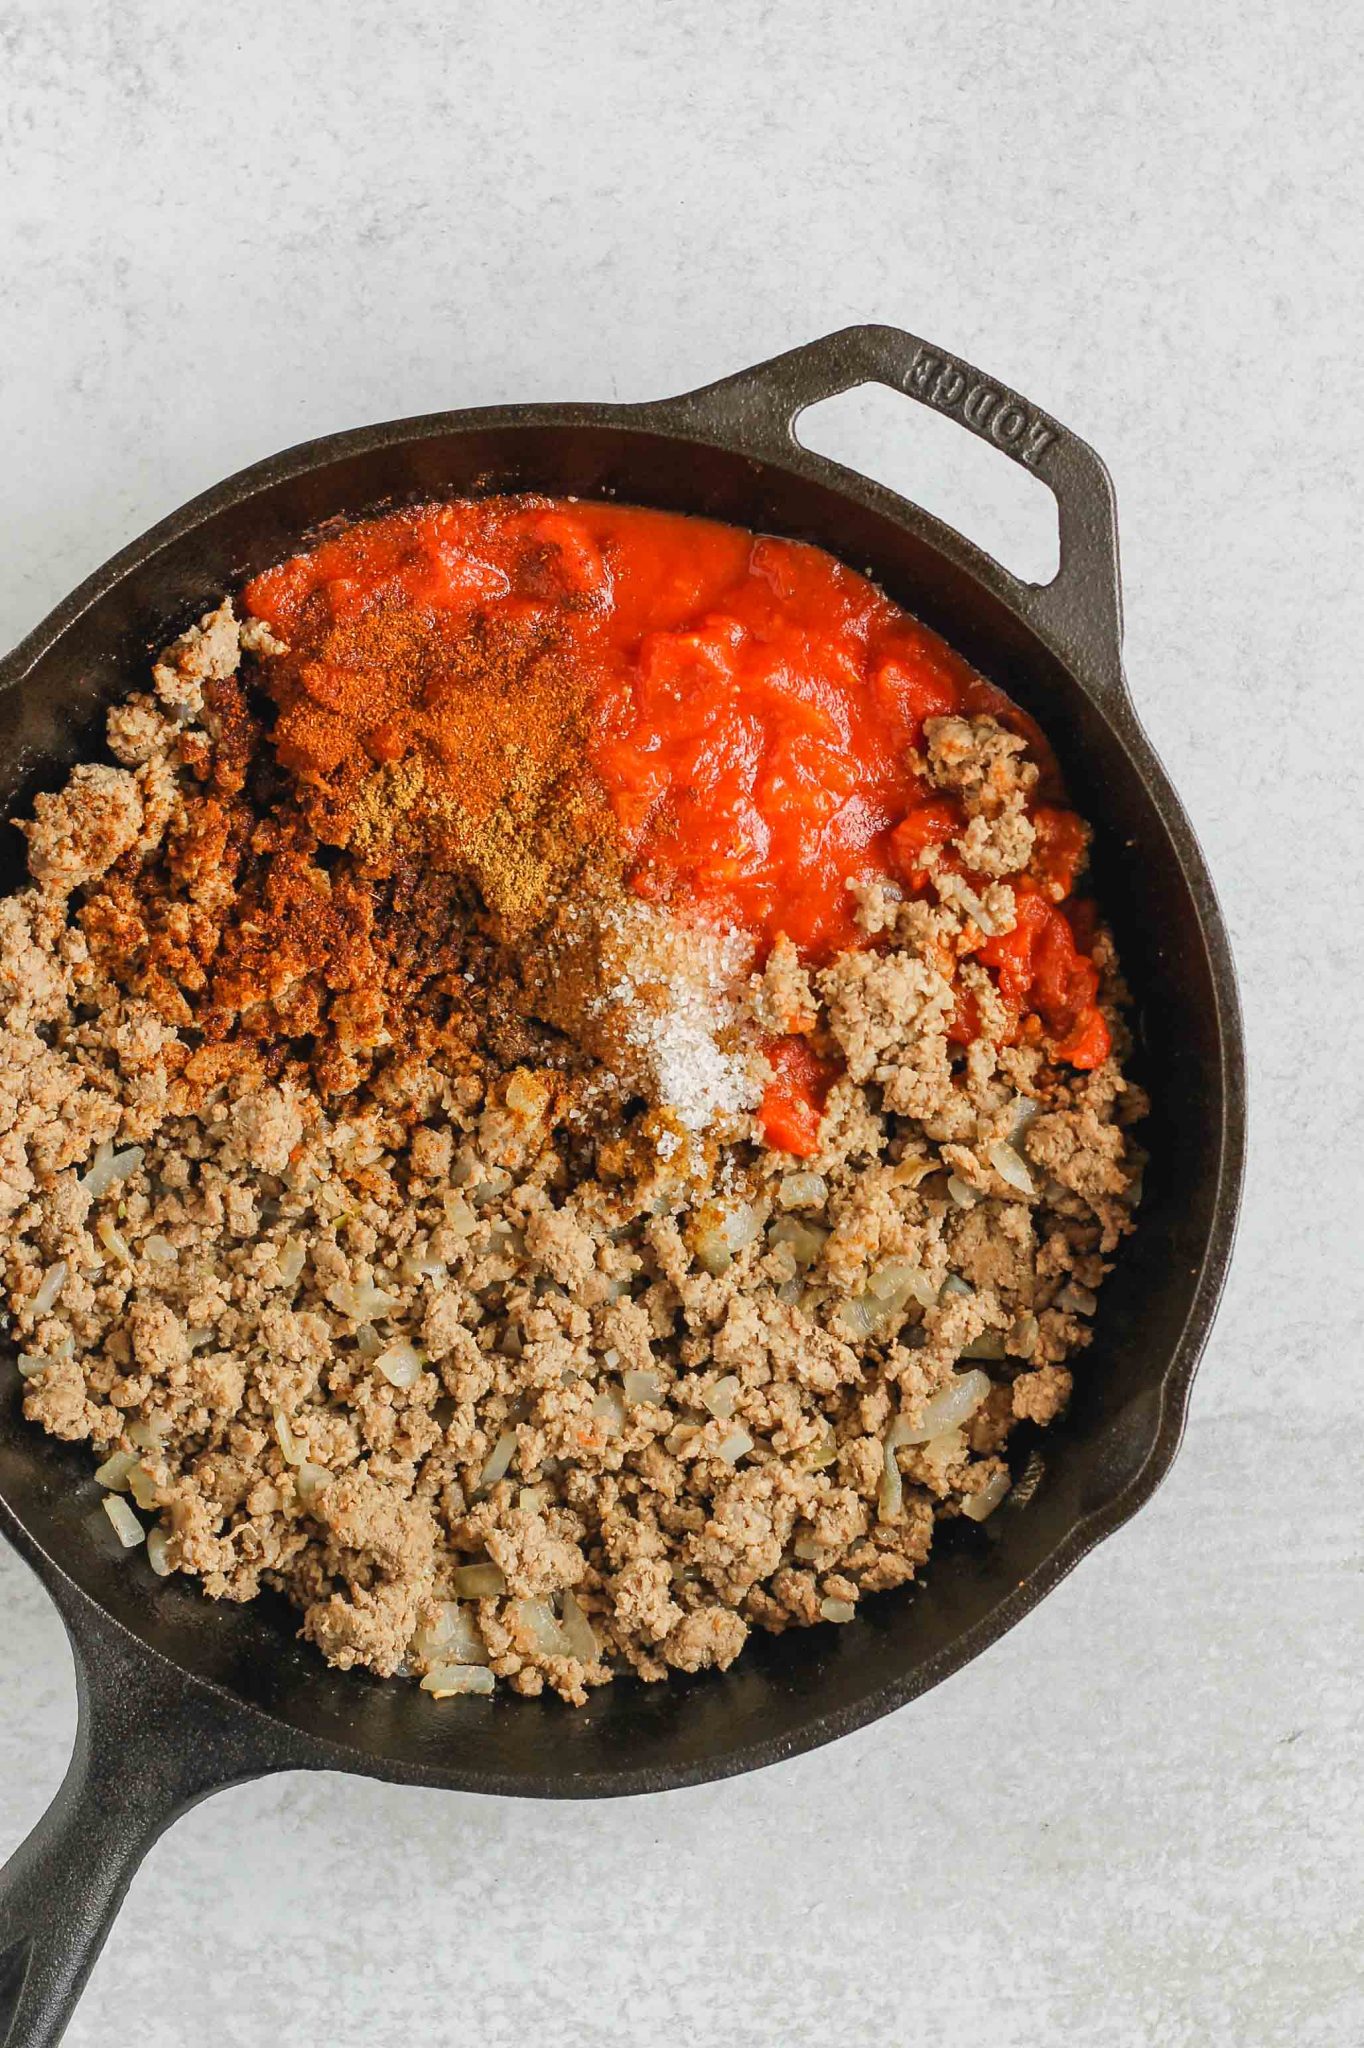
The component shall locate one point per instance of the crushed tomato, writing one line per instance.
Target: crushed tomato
(755, 712)
(793, 1101)
(1040, 967)
(934, 823)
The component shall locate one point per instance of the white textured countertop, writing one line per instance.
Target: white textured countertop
(1137, 1821)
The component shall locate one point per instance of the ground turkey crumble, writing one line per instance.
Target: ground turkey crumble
(488, 1388)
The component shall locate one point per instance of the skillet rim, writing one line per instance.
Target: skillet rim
(282, 1742)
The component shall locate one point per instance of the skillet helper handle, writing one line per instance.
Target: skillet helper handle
(1080, 612)
(147, 1748)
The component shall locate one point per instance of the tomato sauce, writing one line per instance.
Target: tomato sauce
(752, 711)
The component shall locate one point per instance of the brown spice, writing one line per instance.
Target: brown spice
(468, 745)
(391, 809)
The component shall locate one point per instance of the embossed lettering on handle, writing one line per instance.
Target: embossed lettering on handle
(1080, 610)
(1028, 435)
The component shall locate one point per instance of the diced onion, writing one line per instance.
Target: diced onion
(107, 1167)
(444, 1681)
(1010, 1167)
(954, 1284)
(291, 1260)
(478, 1581)
(978, 1505)
(899, 1281)
(424, 1268)
(113, 1240)
(311, 1480)
(1080, 1301)
(741, 1226)
(401, 1365)
(127, 1162)
(642, 1387)
(803, 1191)
(95, 1179)
(374, 1301)
(858, 1316)
(504, 1450)
(51, 1285)
(540, 1624)
(816, 1456)
(805, 1240)
(1024, 1334)
(31, 1363)
(1024, 1110)
(526, 1094)
(368, 1342)
(721, 1396)
(950, 1406)
(361, 1302)
(160, 1249)
(293, 1448)
(460, 1219)
(113, 1473)
(713, 1255)
(453, 1637)
(965, 1197)
(158, 1552)
(609, 1408)
(837, 1610)
(127, 1528)
(143, 1487)
(735, 1446)
(149, 1435)
(718, 1243)
(466, 1638)
(884, 1283)
(578, 1632)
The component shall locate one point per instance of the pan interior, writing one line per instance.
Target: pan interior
(788, 1692)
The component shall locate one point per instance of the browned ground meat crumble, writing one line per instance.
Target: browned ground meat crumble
(490, 1391)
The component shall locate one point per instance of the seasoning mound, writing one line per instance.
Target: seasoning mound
(440, 1185)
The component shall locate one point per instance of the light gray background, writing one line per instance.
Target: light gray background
(1138, 1819)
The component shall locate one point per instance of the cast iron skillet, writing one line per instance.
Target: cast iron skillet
(178, 1695)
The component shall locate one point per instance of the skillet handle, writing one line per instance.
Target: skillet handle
(1080, 612)
(149, 1745)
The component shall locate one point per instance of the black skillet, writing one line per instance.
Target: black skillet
(179, 1696)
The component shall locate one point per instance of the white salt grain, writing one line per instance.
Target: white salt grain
(678, 989)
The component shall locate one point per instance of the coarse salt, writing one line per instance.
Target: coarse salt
(678, 989)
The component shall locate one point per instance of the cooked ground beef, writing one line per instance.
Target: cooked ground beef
(490, 1365)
